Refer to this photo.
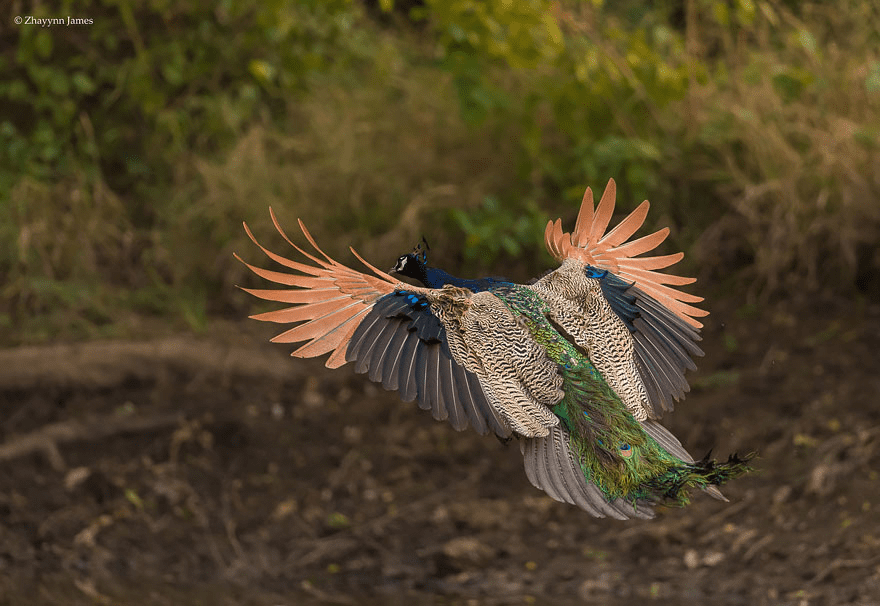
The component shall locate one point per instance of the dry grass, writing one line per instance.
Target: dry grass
(66, 242)
(367, 167)
(792, 139)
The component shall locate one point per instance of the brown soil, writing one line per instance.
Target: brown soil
(197, 471)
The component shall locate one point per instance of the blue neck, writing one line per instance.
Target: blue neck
(437, 278)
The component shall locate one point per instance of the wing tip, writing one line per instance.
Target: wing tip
(589, 243)
(317, 318)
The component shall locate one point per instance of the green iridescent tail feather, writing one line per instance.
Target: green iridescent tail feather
(614, 451)
(618, 456)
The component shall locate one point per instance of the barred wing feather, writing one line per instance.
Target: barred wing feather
(660, 319)
(382, 325)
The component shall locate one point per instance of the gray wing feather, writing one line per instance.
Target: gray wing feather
(665, 439)
(406, 378)
(376, 356)
(482, 408)
(555, 484)
(476, 418)
(578, 488)
(670, 443)
(457, 417)
(387, 360)
(405, 349)
(655, 369)
(660, 317)
(430, 387)
(664, 346)
(678, 357)
(357, 349)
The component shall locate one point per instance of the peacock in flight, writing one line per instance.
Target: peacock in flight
(577, 365)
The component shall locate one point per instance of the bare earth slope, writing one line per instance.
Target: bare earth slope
(189, 471)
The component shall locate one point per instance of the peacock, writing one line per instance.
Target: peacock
(578, 365)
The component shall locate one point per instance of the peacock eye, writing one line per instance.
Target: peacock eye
(626, 450)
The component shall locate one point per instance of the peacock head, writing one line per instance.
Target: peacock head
(413, 264)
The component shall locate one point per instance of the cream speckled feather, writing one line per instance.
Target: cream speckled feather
(639, 332)
(509, 381)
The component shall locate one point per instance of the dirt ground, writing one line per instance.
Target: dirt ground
(220, 471)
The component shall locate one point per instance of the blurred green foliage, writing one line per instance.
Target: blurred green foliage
(490, 231)
(152, 79)
(131, 148)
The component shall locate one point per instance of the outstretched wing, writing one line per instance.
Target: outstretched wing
(589, 244)
(639, 331)
(374, 321)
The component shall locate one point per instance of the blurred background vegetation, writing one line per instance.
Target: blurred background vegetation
(131, 149)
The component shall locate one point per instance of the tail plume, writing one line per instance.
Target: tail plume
(705, 473)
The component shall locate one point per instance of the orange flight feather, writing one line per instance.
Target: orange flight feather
(590, 244)
(329, 299)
